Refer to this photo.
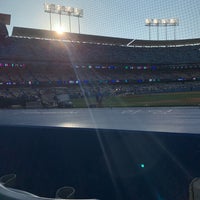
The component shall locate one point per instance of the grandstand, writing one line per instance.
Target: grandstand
(32, 61)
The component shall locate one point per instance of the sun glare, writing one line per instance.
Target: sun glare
(59, 30)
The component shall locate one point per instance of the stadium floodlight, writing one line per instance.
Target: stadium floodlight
(148, 22)
(53, 7)
(156, 22)
(162, 22)
(173, 22)
(78, 12)
(63, 10)
(69, 10)
(47, 8)
(58, 9)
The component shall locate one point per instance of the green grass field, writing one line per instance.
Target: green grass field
(164, 99)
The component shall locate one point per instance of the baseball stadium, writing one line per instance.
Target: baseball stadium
(40, 68)
(89, 116)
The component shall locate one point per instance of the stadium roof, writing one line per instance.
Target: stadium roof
(82, 38)
(46, 34)
(164, 43)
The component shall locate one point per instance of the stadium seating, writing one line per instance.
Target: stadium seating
(32, 62)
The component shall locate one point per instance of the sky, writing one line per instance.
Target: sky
(115, 18)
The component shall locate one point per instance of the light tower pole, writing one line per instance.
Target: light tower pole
(78, 13)
(69, 10)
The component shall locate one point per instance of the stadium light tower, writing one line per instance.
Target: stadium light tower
(162, 22)
(63, 10)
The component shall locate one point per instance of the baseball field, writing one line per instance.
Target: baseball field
(161, 99)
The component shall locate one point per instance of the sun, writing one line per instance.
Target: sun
(59, 30)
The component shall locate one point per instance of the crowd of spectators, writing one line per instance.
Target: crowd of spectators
(43, 84)
(34, 70)
(42, 50)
